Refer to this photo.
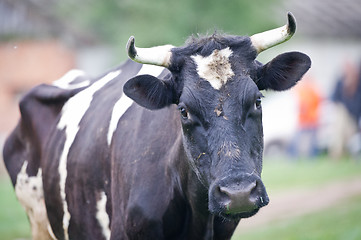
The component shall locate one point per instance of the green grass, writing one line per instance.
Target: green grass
(342, 222)
(13, 221)
(282, 175)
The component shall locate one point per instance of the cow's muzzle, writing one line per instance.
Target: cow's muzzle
(237, 198)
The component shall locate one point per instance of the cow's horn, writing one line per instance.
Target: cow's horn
(159, 56)
(264, 40)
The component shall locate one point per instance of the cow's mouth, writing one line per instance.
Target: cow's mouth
(238, 216)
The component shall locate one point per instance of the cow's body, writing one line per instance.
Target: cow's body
(153, 195)
(88, 163)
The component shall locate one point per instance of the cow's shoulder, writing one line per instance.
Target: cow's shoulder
(39, 109)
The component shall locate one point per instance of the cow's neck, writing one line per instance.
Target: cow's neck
(195, 196)
(200, 223)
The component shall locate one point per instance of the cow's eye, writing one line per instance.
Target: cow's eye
(183, 112)
(257, 104)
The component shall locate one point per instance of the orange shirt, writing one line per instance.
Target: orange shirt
(309, 101)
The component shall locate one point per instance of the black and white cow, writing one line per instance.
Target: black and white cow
(89, 163)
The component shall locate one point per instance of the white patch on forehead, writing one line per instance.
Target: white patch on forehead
(72, 113)
(65, 82)
(30, 193)
(215, 68)
(102, 215)
(122, 105)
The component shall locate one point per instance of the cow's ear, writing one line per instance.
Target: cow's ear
(283, 72)
(149, 91)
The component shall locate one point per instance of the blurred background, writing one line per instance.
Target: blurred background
(312, 165)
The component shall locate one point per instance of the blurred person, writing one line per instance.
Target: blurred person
(347, 104)
(309, 99)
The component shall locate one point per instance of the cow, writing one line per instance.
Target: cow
(166, 146)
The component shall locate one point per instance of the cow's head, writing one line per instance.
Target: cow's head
(215, 82)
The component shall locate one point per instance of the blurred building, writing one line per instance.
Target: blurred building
(24, 64)
(30, 54)
(37, 47)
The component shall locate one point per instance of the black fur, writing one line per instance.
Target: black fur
(150, 92)
(283, 72)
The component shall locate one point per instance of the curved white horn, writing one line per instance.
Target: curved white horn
(264, 40)
(159, 56)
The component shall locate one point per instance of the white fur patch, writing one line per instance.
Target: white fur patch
(65, 81)
(72, 113)
(29, 191)
(122, 105)
(102, 215)
(215, 68)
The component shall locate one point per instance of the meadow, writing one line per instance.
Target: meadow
(341, 222)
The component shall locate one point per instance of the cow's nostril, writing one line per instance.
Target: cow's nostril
(255, 191)
(222, 196)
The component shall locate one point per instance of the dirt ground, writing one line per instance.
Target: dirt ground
(303, 201)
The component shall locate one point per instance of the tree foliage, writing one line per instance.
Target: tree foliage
(165, 21)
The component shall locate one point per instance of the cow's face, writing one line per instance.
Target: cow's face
(221, 114)
(215, 83)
